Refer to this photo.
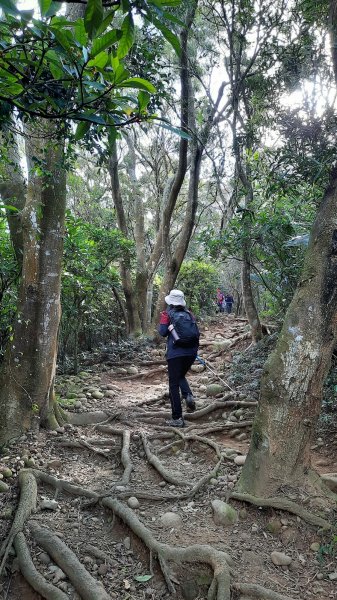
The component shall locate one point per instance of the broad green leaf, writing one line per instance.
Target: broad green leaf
(139, 84)
(143, 100)
(56, 71)
(127, 38)
(93, 16)
(99, 61)
(9, 207)
(13, 89)
(167, 33)
(26, 16)
(62, 39)
(80, 33)
(55, 64)
(9, 7)
(120, 74)
(82, 129)
(143, 578)
(44, 6)
(114, 62)
(125, 5)
(92, 118)
(53, 9)
(105, 41)
(58, 22)
(105, 23)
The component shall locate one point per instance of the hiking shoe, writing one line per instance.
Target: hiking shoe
(190, 403)
(175, 422)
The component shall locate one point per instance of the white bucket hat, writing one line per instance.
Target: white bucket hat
(176, 298)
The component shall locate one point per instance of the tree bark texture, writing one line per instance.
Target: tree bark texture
(134, 325)
(292, 382)
(27, 376)
(247, 292)
(13, 189)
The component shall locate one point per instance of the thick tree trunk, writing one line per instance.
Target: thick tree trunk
(27, 377)
(291, 388)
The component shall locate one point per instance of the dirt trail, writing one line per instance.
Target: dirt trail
(166, 473)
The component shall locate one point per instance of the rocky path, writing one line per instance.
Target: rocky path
(150, 512)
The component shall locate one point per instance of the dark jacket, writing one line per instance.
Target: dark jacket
(172, 350)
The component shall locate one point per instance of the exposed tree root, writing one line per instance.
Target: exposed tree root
(88, 418)
(244, 403)
(191, 416)
(283, 504)
(259, 592)
(125, 457)
(85, 584)
(170, 476)
(61, 485)
(214, 426)
(97, 553)
(27, 503)
(166, 574)
(105, 442)
(30, 573)
(169, 446)
(109, 429)
(219, 561)
(82, 444)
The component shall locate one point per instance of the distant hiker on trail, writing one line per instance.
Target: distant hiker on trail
(229, 300)
(219, 300)
(179, 326)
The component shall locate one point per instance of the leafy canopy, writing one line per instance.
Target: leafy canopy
(57, 67)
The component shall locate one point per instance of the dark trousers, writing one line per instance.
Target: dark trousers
(177, 369)
(229, 307)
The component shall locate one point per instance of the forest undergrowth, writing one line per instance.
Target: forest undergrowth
(116, 505)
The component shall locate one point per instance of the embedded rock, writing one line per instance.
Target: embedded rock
(223, 514)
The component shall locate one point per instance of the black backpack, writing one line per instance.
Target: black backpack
(185, 325)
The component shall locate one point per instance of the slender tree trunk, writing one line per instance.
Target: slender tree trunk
(27, 376)
(174, 262)
(13, 190)
(247, 294)
(130, 297)
(291, 387)
(142, 274)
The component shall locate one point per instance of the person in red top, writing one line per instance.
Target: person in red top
(179, 359)
(219, 300)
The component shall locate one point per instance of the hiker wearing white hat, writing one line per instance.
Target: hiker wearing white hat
(179, 326)
(175, 298)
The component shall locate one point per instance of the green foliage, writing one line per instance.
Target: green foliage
(9, 274)
(53, 67)
(198, 280)
(283, 208)
(90, 273)
(328, 551)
